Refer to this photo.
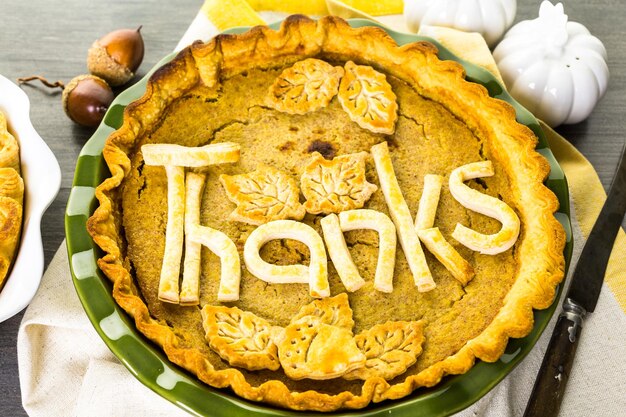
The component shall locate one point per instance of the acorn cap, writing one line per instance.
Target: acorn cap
(100, 63)
(116, 56)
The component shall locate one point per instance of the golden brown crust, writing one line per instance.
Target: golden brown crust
(298, 38)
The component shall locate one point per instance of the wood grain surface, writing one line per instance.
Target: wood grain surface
(51, 38)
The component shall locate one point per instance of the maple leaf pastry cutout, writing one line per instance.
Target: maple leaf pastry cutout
(367, 97)
(241, 338)
(306, 86)
(336, 185)
(263, 195)
(389, 348)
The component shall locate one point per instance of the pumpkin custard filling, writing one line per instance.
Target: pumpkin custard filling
(312, 213)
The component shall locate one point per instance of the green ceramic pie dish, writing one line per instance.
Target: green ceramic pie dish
(147, 362)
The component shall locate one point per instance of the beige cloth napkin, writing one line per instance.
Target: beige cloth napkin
(66, 370)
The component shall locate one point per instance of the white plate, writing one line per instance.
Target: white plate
(42, 180)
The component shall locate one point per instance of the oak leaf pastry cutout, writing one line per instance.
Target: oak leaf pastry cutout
(334, 311)
(389, 348)
(484, 204)
(240, 337)
(315, 350)
(263, 195)
(306, 86)
(367, 97)
(336, 185)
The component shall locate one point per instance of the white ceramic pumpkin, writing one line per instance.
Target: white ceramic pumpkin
(554, 68)
(490, 18)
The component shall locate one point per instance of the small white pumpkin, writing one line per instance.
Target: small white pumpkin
(490, 18)
(554, 68)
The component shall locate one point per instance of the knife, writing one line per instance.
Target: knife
(581, 298)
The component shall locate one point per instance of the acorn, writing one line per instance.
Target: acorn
(116, 56)
(86, 99)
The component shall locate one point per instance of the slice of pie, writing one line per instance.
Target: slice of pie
(11, 199)
(309, 267)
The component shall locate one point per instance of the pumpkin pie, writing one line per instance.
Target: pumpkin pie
(372, 222)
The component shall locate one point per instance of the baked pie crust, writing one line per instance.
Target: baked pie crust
(529, 272)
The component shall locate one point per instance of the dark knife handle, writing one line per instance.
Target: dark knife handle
(545, 399)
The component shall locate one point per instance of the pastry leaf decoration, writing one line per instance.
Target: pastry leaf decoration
(263, 195)
(311, 349)
(337, 185)
(317, 344)
(240, 337)
(306, 86)
(368, 98)
(390, 349)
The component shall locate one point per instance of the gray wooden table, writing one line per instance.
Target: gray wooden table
(51, 38)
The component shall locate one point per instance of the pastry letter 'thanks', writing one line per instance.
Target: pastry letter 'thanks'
(339, 253)
(170, 270)
(432, 238)
(316, 274)
(216, 241)
(484, 204)
(401, 216)
(375, 220)
(174, 158)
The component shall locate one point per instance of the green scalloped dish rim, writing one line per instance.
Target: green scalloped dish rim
(148, 363)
